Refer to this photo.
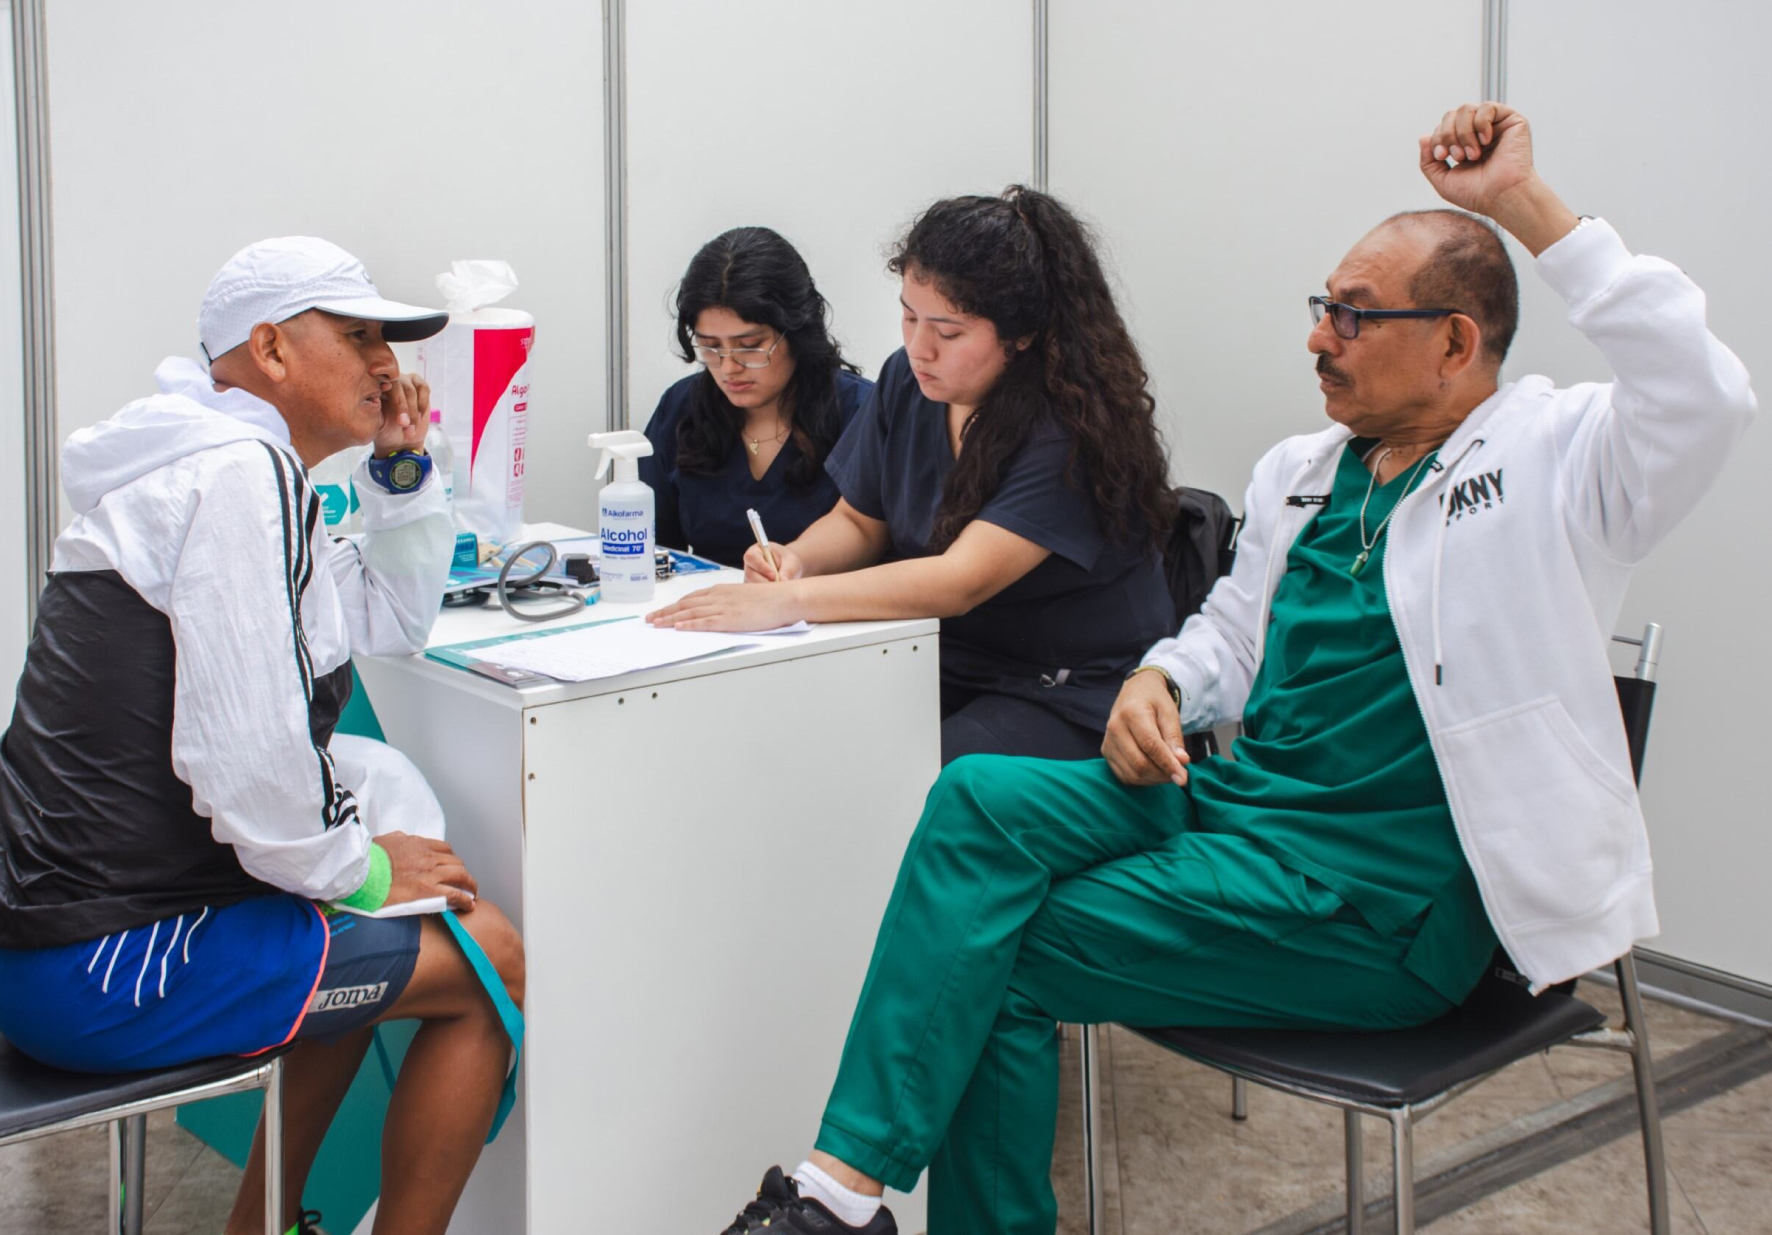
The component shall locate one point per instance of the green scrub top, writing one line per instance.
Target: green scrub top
(1334, 776)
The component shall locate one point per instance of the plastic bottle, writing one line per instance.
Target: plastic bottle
(442, 457)
(626, 522)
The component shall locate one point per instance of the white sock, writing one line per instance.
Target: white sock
(848, 1205)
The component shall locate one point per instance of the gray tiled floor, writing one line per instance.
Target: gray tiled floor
(1173, 1160)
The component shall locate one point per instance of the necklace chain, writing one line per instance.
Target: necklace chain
(756, 443)
(1366, 546)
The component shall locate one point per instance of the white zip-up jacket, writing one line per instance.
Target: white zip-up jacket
(1505, 571)
(198, 501)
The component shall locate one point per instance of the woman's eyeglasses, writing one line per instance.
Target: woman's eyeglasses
(747, 357)
(1345, 318)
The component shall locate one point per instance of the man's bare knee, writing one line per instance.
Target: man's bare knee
(503, 946)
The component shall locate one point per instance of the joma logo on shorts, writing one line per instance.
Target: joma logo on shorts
(347, 997)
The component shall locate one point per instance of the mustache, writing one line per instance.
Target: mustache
(1328, 370)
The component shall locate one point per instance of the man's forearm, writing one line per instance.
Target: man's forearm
(1535, 216)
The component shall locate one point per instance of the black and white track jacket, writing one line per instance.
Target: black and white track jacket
(169, 744)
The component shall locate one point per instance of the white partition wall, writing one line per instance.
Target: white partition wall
(1628, 99)
(412, 132)
(1230, 154)
(834, 124)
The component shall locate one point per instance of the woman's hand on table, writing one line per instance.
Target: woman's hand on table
(759, 569)
(737, 607)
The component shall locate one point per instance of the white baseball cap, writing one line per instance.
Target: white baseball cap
(274, 280)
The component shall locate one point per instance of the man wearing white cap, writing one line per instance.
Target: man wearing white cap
(174, 811)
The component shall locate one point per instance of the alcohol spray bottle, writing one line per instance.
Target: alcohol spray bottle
(627, 524)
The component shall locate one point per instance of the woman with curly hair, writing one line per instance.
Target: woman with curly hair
(1006, 475)
(752, 430)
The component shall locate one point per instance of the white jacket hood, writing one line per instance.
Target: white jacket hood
(188, 415)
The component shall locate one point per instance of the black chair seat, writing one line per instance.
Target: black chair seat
(35, 1095)
(1397, 1067)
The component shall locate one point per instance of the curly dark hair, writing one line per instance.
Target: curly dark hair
(1028, 265)
(762, 278)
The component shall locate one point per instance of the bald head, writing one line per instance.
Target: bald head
(1465, 267)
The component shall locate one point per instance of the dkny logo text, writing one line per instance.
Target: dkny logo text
(1468, 497)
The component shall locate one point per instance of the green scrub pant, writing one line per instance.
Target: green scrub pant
(1035, 892)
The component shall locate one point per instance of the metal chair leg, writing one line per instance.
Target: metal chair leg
(1403, 1157)
(274, 1150)
(1356, 1175)
(114, 1203)
(135, 1173)
(1091, 1131)
(1648, 1107)
(1239, 1098)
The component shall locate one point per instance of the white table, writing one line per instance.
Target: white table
(698, 857)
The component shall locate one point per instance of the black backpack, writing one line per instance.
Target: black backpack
(1202, 545)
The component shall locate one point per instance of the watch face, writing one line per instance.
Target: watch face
(406, 474)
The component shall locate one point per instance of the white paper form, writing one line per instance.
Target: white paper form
(610, 649)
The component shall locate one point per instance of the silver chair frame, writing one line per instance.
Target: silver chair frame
(1632, 1039)
(128, 1141)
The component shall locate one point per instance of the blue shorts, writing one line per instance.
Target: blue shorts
(231, 981)
(369, 961)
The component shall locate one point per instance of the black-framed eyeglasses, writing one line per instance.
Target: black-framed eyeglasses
(1345, 318)
(748, 357)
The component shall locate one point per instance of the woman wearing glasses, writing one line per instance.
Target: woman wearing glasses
(753, 428)
(1006, 476)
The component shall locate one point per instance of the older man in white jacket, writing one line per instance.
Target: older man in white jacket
(175, 816)
(1414, 637)
(1507, 567)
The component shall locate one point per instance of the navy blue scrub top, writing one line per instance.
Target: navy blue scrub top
(706, 509)
(1092, 607)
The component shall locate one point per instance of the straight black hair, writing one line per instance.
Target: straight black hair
(762, 278)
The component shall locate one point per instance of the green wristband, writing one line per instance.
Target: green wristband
(372, 894)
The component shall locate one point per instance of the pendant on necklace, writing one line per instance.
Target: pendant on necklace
(1360, 563)
(754, 445)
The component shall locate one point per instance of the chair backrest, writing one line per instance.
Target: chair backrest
(1636, 693)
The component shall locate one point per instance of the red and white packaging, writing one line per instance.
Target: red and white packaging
(478, 371)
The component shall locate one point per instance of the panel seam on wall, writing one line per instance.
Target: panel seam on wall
(1042, 95)
(37, 293)
(615, 215)
(1494, 87)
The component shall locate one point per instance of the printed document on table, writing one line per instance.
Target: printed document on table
(609, 649)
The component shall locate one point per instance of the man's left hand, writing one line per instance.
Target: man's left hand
(405, 415)
(1495, 173)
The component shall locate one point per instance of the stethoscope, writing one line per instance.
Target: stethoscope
(510, 591)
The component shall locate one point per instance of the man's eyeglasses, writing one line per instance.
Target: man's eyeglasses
(747, 357)
(1345, 318)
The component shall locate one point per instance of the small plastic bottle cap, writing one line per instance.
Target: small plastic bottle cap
(436, 415)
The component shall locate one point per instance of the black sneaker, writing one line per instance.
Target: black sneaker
(781, 1210)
